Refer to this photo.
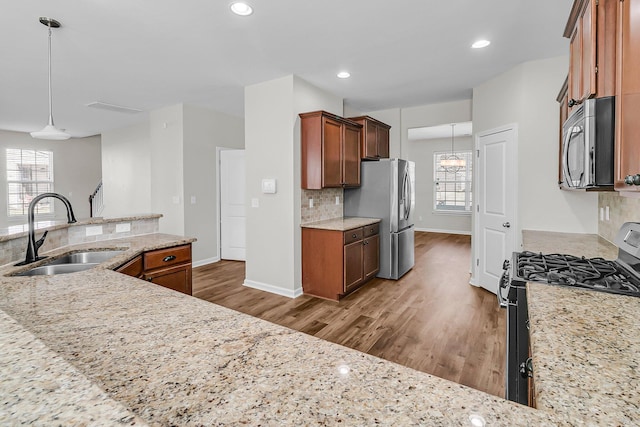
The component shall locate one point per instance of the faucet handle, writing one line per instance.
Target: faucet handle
(40, 241)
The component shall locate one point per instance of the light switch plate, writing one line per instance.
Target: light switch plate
(95, 230)
(269, 186)
(255, 203)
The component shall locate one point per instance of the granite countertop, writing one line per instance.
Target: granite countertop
(171, 359)
(341, 224)
(584, 343)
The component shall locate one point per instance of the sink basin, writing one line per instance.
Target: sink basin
(89, 257)
(71, 263)
(57, 269)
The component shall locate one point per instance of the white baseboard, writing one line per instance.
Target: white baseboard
(205, 262)
(435, 230)
(474, 282)
(295, 293)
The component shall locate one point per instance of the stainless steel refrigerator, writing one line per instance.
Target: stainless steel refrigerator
(387, 192)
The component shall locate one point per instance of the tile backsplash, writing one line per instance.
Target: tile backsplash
(324, 204)
(621, 210)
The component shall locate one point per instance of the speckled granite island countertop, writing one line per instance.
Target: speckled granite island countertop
(172, 359)
(341, 224)
(585, 344)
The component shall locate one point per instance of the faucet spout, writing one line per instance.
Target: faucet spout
(32, 244)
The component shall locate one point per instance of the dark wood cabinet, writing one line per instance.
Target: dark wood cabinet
(335, 263)
(330, 151)
(169, 267)
(627, 148)
(374, 140)
(591, 31)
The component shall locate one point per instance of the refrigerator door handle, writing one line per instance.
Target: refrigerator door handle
(406, 196)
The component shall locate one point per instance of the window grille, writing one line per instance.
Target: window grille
(29, 173)
(452, 186)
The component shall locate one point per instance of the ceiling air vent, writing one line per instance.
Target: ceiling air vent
(112, 107)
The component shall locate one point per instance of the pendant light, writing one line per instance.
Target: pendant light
(50, 131)
(452, 163)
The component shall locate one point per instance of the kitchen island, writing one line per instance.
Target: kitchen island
(152, 355)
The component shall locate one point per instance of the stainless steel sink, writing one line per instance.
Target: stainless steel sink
(89, 257)
(71, 263)
(50, 269)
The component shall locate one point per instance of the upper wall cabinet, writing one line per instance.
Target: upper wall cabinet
(627, 166)
(591, 29)
(330, 151)
(374, 140)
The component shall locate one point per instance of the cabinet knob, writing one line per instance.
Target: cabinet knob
(632, 179)
(149, 279)
(573, 102)
(354, 235)
(366, 242)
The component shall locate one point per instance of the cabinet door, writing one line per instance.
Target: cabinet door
(176, 278)
(351, 156)
(383, 142)
(575, 55)
(370, 135)
(132, 268)
(331, 153)
(353, 273)
(371, 254)
(628, 95)
(588, 54)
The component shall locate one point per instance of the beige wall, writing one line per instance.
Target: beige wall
(272, 144)
(158, 165)
(77, 171)
(204, 131)
(126, 170)
(526, 95)
(621, 209)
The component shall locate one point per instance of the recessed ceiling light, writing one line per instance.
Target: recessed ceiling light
(344, 75)
(241, 9)
(480, 44)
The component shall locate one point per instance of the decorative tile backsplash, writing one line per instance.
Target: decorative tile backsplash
(324, 204)
(621, 210)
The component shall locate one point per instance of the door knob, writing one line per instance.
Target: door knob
(506, 224)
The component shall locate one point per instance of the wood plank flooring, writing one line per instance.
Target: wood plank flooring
(431, 319)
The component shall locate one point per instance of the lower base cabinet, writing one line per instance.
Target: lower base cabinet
(335, 263)
(169, 267)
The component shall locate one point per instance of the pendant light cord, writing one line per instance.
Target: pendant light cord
(50, 103)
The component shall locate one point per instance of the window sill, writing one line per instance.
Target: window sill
(451, 213)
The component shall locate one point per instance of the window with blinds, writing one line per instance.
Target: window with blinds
(29, 173)
(452, 185)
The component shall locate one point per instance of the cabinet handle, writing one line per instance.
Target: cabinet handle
(354, 235)
(366, 242)
(632, 179)
(169, 258)
(149, 279)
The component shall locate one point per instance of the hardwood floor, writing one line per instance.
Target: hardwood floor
(431, 319)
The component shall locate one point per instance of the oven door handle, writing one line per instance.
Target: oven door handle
(504, 283)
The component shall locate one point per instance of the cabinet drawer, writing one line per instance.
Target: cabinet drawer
(167, 257)
(371, 230)
(354, 235)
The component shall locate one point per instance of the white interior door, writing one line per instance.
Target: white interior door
(497, 201)
(232, 205)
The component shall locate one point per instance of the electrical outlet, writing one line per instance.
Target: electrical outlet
(337, 200)
(310, 203)
(607, 217)
(601, 214)
(255, 203)
(123, 227)
(95, 230)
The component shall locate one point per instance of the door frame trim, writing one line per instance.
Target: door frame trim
(515, 224)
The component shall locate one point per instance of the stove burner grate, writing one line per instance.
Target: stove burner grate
(569, 270)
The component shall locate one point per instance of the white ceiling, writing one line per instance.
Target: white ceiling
(147, 54)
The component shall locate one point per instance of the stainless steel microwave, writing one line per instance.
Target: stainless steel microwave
(587, 145)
